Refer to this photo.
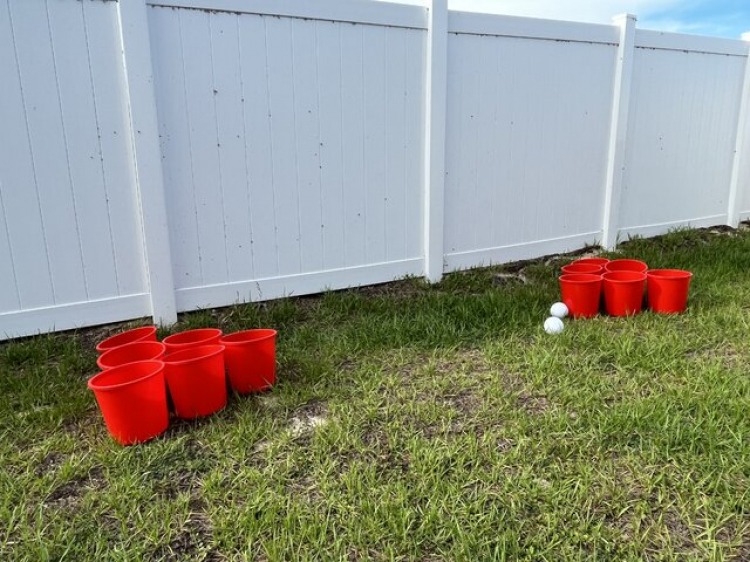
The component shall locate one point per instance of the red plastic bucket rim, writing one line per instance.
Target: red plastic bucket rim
(102, 360)
(573, 266)
(616, 264)
(669, 273)
(156, 368)
(185, 356)
(625, 276)
(580, 278)
(192, 336)
(111, 342)
(593, 260)
(247, 336)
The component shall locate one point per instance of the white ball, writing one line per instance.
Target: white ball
(553, 325)
(559, 309)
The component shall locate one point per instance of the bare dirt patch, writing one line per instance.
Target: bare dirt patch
(504, 444)
(508, 279)
(734, 536)
(678, 537)
(742, 552)
(533, 404)
(729, 356)
(84, 425)
(184, 472)
(305, 488)
(308, 417)
(357, 555)
(50, 463)
(69, 494)
(465, 402)
(398, 289)
(381, 452)
(466, 362)
(194, 539)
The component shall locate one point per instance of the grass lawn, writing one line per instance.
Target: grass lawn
(413, 422)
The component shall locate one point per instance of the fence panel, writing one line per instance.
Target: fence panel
(527, 135)
(291, 148)
(70, 246)
(682, 131)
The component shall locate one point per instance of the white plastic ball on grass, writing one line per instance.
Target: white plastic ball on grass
(559, 310)
(553, 325)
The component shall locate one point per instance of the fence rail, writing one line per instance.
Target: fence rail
(161, 156)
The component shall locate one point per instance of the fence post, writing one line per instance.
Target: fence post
(743, 124)
(146, 154)
(434, 139)
(618, 131)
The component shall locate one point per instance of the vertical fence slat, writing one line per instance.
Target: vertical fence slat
(353, 144)
(174, 130)
(39, 69)
(307, 134)
(231, 138)
(144, 131)
(435, 104)
(281, 96)
(79, 117)
(330, 122)
(618, 132)
(110, 104)
(205, 152)
(256, 117)
(26, 283)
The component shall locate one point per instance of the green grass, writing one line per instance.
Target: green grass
(413, 422)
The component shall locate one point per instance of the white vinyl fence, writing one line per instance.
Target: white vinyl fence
(159, 156)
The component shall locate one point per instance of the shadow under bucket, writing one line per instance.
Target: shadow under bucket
(196, 381)
(130, 353)
(251, 360)
(581, 293)
(667, 290)
(146, 333)
(623, 292)
(133, 401)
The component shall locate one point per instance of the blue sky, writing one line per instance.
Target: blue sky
(723, 18)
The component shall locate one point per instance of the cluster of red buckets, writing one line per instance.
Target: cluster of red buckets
(140, 375)
(622, 284)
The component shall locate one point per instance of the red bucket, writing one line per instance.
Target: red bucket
(192, 338)
(251, 360)
(133, 401)
(581, 293)
(626, 265)
(668, 290)
(196, 380)
(577, 267)
(623, 292)
(130, 353)
(147, 333)
(595, 261)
